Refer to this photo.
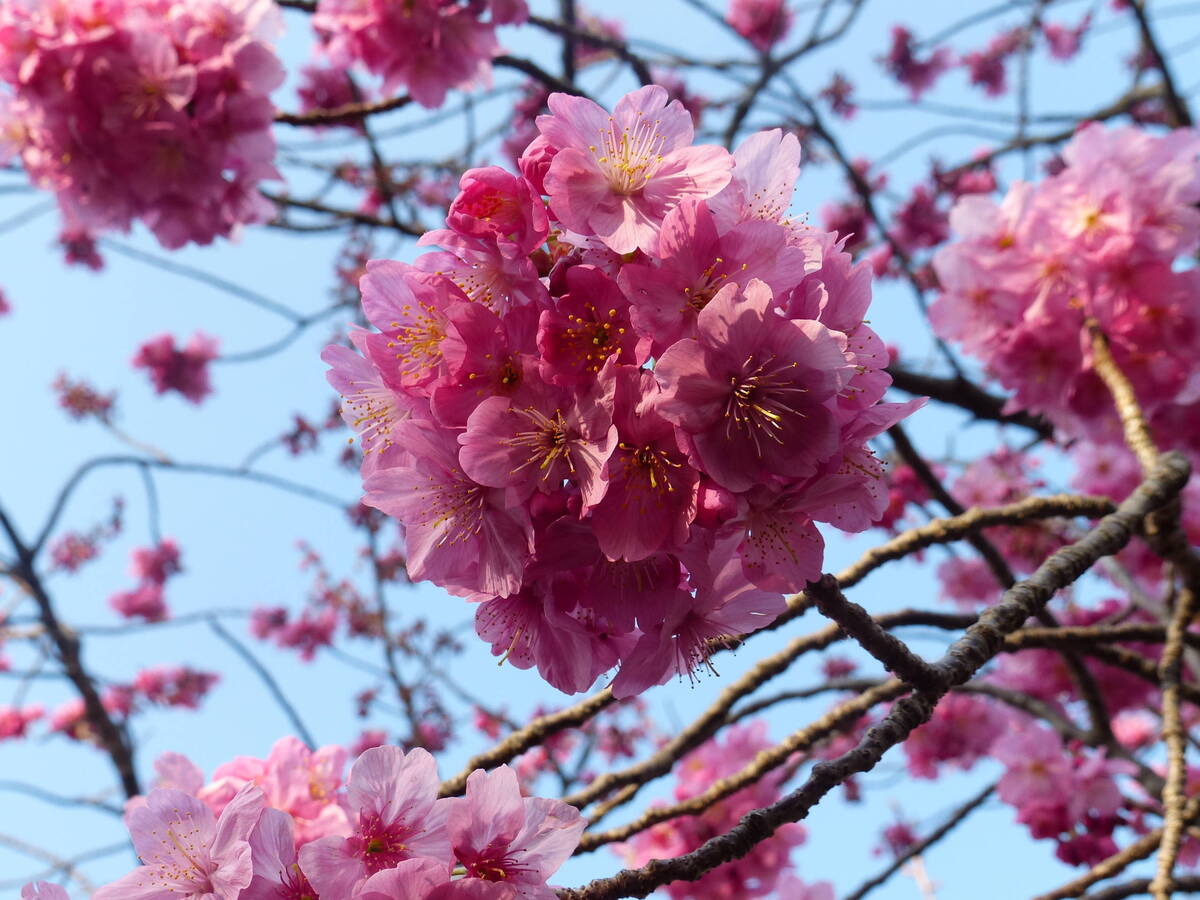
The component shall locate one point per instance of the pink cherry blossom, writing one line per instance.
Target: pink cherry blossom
(915, 73)
(762, 22)
(567, 409)
(616, 177)
(427, 46)
(960, 733)
(398, 817)
(494, 204)
(766, 869)
(457, 531)
(44, 890)
(14, 721)
(1024, 276)
(750, 391)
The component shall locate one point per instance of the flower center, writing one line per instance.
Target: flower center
(418, 345)
(457, 507)
(649, 467)
(761, 400)
(381, 846)
(546, 442)
(375, 414)
(629, 158)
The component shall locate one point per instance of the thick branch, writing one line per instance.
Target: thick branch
(857, 622)
(965, 394)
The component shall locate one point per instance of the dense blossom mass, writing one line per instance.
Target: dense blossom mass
(765, 869)
(1098, 240)
(143, 110)
(609, 406)
(289, 828)
(425, 46)
(612, 406)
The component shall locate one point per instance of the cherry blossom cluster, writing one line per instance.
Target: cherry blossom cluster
(1061, 792)
(761, 22)
(80, 400)
(427, 47)
(152, 566)
(171, 686)
(287, 827)
(1100, 239)
(917, 67)
(72, 550)
(1067, 794)
(760, 871)
(143, 110)
(613, 406)
(180, 369)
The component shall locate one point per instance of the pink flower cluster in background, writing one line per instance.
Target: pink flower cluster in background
(1099, 239)
(152, 566)
(143, 110)
(171, 686)
(1068, 794)
(287, 827)
(754, 875)
(612, 407)
(425, 46)
(762, 22)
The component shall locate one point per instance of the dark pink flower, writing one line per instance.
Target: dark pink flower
(15, 720)
(1064, 42)
(696, 261)
(762, 22)
(495, 205)
(558, 437)
(426, 46)
(157, 563)
(182, 369)
(82, 401)
(750, 391)
(174, 685)
(527, 629)
(588, 326)
(915, 73)
(651, 496)
(725, 605)
(144, 602)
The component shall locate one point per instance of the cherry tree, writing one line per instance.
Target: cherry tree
(619, 351)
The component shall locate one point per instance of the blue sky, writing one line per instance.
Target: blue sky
(239, 540)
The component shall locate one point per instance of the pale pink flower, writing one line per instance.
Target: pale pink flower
(44, 890)
(617, 176)
(186, 851)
